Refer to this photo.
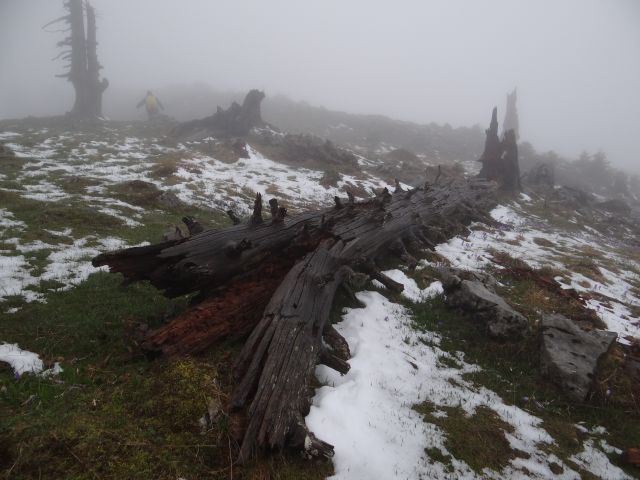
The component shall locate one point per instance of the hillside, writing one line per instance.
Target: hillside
(368, 134)
(429, 395)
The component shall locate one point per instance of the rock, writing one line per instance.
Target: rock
(451, 277)
(302, 150)
(476, 296)
(569, 356)
(615, 205)
(170, 200)
(172, 233)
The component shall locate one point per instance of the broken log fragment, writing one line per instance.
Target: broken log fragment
(256, 216)
(234, 218)
(273, 206)
(339, 346)
(333, 361)
(276, 282)
(193, 225)
(280, 355)
(352, 199)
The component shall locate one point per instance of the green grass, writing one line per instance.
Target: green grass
(76, 185)
(57, 216)
(476, 439)
(113, 413)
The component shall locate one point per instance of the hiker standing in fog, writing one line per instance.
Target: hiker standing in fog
(152, 104)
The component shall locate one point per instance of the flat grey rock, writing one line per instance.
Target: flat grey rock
(570, 356)
(476, 296)
(452, 277)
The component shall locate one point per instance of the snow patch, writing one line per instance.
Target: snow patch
(22, 361)
(411, 289)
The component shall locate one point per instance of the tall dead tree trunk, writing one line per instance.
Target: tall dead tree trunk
(84, 67)
(490, 158)
(511, 115)
(500, 158)
(276, 280)
(510, 164)
(96, 86)
(77, 74)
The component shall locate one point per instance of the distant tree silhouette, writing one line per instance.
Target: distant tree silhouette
(594, 171)
(81, 52)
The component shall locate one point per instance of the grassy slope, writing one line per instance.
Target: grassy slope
(115, 414)
(112, 413)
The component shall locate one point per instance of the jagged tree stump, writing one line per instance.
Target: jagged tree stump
(500, 158)
(276, 280)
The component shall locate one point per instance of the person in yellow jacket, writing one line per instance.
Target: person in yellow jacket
(152, 104)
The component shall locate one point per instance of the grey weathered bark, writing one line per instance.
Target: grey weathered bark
(84, 67)
(275, 281)
(511, 168)
(96, 87)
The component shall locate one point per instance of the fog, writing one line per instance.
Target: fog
(575, 63)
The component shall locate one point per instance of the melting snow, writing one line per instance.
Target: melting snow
(22, 361)
(367, 414)
(521, 238)
(207, 179)
(6, 220)
(67, 264)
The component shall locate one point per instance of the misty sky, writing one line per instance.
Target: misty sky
(576, 63)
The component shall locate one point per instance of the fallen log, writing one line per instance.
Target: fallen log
(275, 280)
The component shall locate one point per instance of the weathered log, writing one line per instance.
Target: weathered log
(339, 346)
(276, 282)
(279, 357)
(234, 218)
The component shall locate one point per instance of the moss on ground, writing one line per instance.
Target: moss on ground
(478, 439)
(114, 413)
(57, 216)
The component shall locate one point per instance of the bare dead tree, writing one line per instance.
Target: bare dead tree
(80, 50)
(500, 157)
